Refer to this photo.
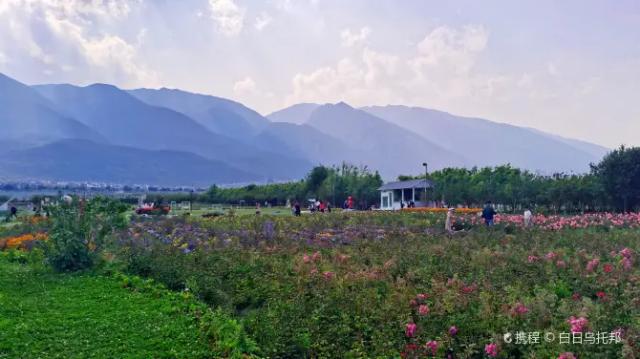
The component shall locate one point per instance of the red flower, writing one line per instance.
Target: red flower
(608, 268)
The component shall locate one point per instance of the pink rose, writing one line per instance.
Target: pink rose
(410, 330)
(433, 346)
(578, 325)
(423, 309)
(491, 350)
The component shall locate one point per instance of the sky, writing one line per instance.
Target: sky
(568, 67)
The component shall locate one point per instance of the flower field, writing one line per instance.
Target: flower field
(380, 284)
(395, 285)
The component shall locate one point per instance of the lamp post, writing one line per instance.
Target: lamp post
(426, 175)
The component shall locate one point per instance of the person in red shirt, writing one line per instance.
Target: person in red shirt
(350, 202)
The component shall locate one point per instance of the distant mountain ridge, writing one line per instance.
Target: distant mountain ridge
(173, 137)
(478, 142)
(82, 160)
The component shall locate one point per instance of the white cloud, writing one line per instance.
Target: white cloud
(350, 38)
(228, 16)
(451, 48)
(60, 34)
(262, 21)
(440, 70)
(552, 69)
(3, 59)
(245, 86)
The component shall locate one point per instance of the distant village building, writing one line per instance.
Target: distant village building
(395, 195)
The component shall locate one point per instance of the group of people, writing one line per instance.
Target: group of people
(488, 214)
(410, 204)
(321, 206)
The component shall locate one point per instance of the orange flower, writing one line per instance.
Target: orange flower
(17, 241)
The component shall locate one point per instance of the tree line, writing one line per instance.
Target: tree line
(612, 184)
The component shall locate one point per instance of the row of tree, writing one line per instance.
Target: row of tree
(330, 184)
(612, 184)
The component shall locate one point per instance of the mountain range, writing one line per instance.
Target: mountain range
(165, 136)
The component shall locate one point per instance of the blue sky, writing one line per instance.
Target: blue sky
(568, 67)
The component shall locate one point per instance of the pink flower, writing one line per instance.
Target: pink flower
(306, 258)
(453, 331)
(561, 264)
(626, 252)
(413, 303)
(532, 259)
(423, 309)
(593, 264)
(433, 346)
(491, 350)
(567, 355)
(608, 268)
(576, 296)
(422, 296)
(550, 256)
(468, 289)
(520, 309)
(328, 275)
(578, 325)
(314, 271)
(316, 256)
(626, 263)
(601, 295)
(410, 330)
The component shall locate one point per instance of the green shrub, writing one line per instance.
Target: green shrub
(79, 230)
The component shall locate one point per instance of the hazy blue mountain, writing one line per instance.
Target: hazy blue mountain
(487, 143)
(591, 148)
(81, 160)
(125, 120)
(308, 142)
(27, 118)
(297, 114)
(219, 115)
(387, 147)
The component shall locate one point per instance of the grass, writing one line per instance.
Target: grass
(49, 315)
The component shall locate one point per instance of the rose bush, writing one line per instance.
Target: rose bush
(393, 284)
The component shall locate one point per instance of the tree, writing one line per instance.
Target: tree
(619, 173)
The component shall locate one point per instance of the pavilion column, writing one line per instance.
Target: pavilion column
(413, 195)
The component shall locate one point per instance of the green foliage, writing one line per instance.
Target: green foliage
(351, 296)
(228, 337)
(79, 230)
(52, 315)
(619, 173)
(516, 189)
(333, 184)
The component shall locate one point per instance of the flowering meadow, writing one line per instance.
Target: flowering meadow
(365, 285)
(379, 284)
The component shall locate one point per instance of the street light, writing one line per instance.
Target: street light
(426, 175)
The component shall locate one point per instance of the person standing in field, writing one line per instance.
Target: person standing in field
(350, 202)
(528, 218)
(257, 208)
(487, 213)
(296, 207)
(448, 223)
